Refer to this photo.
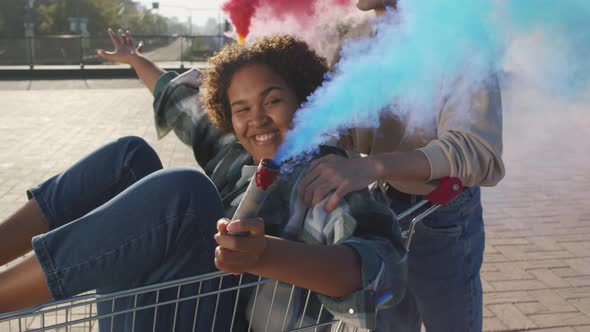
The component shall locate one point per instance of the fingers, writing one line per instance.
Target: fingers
(222, 225)
(319, 183)
(238, 254)
(104, 54)
(125, 37)
(253, 226)
(231, 261)
(318, 190)
(305, 189)
(237, 243)
(335, 187)
(129, 39)
(119, 36)
(313, 179)
(123, 44)
(140, 47)
(322, 191)
(335, 198)
(113, 38)
(312, 172)
(317, 168)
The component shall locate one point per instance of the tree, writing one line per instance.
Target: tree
(52, 17)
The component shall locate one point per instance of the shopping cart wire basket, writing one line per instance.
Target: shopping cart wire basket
(216, 301)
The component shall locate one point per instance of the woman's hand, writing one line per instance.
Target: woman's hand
(125, 50)
(239, 254)
(336, 176)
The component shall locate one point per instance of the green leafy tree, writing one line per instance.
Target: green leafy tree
(52, 17)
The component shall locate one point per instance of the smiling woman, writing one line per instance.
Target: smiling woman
(141, 224)
(262, 108)
(300, 69)
(247, 90)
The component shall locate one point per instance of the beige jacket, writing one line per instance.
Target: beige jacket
(465, 140)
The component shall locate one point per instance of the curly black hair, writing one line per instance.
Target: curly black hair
(301, 68)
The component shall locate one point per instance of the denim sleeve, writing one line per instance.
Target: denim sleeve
(372, 233)
(384, 274)
(368, 227)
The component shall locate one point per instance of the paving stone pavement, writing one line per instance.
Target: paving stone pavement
(536, 272)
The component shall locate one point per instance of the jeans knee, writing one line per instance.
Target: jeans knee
(194, 194)
(192, 184)
(139, 156)
(129, 144)
(191, 181)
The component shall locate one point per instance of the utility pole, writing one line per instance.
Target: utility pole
(30, 29)
(124, 14)
(29, 18)
(220, 27)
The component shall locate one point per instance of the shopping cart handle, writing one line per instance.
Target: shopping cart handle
(448, 189)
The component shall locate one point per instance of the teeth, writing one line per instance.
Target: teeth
(264, 137)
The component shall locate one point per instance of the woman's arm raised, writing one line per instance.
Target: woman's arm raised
(126, 52)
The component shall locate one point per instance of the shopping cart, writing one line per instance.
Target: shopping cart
(206, 297)
(447, 190)
(80, 313)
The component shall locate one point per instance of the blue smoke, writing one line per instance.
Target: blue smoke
(429, 48)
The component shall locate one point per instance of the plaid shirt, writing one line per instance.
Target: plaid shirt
(359, 221)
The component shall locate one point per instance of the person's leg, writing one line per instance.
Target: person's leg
(26, 277)
(159, 229)
(86, 185)
(402, 317)
(444, 266)
(18, 229)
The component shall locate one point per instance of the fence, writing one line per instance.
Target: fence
(81, 50)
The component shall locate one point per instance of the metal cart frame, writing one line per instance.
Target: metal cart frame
(80, 314)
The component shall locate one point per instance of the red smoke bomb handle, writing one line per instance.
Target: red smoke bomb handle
(265, 177)
(447, 190)
(255, 195)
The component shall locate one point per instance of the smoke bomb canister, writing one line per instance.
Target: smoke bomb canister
(266, 175)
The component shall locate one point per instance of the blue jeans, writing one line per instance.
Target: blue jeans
(444, 287)
(117, 220)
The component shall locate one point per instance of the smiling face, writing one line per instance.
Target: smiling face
(262, 108)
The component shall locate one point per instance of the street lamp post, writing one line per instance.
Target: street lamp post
(30, 30)
(124, 14)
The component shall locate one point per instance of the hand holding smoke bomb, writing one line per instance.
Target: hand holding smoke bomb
(266, 175)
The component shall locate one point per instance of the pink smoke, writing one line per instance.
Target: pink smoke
(241, 12)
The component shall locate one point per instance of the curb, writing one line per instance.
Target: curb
(86, 73)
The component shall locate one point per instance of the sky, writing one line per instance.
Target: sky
(200, 10)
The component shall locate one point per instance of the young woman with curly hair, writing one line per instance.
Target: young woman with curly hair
(117, 220)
